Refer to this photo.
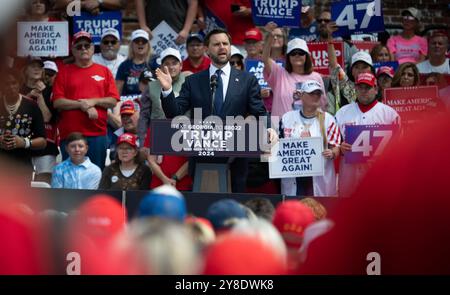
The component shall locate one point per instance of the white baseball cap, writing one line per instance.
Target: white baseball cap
(413, 11)
(235, 50)
(111, 32)
(310, 86)
(139, 34)
(50, 65)
(297, 43)
(169, 52)
(362, 56)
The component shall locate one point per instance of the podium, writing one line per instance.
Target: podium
(212, 178)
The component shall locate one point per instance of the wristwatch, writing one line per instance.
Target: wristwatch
(175, 177)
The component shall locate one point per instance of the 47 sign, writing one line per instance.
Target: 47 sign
(357, 16)
(367, 141)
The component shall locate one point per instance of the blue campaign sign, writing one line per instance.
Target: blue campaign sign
(212, 21)
(256, 67)
(357, 17)
(285, 13)
(95, 24)
(391, 64)
(367, 141)
(308, 34)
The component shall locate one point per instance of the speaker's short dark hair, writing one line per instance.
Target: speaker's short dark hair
(215, 32)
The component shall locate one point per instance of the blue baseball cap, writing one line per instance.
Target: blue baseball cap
(224, 213)
(164, 201)
(194, 36)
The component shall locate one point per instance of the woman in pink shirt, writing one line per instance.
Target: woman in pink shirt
(407, 46)
(298, 68)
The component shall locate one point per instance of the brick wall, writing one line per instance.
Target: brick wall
(434, 12)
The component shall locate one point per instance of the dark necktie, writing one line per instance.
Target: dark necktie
(218, 96)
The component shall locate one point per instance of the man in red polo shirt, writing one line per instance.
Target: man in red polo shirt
(196, 61)
(82, 93)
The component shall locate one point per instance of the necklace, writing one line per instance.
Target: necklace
(12, 109)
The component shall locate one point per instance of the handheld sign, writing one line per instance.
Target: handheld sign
(367, 141)
(412, 103)
(308, 34)
(211, 137)
(256, 67)
(391, 64)
(96, 24)
(283, 13)
(365, 45)
(164, 37)
(319, 55)
(42, 39)
(297, 157)
(211, 21)
(357, 16)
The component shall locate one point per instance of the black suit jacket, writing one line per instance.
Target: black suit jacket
(243, 96)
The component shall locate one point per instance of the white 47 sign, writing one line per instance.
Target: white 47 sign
(367, 141)
(357, 16)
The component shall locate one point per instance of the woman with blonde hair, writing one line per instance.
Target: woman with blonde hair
(311, 121)
(139, 53)
(407, 75)
(278, 54)
(380, 53)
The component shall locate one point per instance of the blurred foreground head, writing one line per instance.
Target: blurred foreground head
(24, 248)
(164, 202)
(400, 211)
(240, 254)
(96, 236)
(165, 246)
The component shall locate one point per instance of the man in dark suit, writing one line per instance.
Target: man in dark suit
(237, 93)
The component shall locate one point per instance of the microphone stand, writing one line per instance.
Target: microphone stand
(213, 85)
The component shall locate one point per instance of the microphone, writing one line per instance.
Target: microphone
(213, 82)
(213, 85)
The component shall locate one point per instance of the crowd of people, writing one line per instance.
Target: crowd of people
(97, 103)
(105, 95)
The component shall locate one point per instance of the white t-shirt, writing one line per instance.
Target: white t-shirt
(351, 174)
(425, 67)
(112, 65)
(294, 125)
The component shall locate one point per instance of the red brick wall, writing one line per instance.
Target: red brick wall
(434, 12)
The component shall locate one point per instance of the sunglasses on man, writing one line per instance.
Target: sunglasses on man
(323, 20)
(109, 42)
(82, 46)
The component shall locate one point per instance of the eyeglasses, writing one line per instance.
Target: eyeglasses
(408, 17)
(233, 62)
(298, 52)
(278, 36)
(83, 46)
(50, 73)
(323, 20)
(112, 42)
